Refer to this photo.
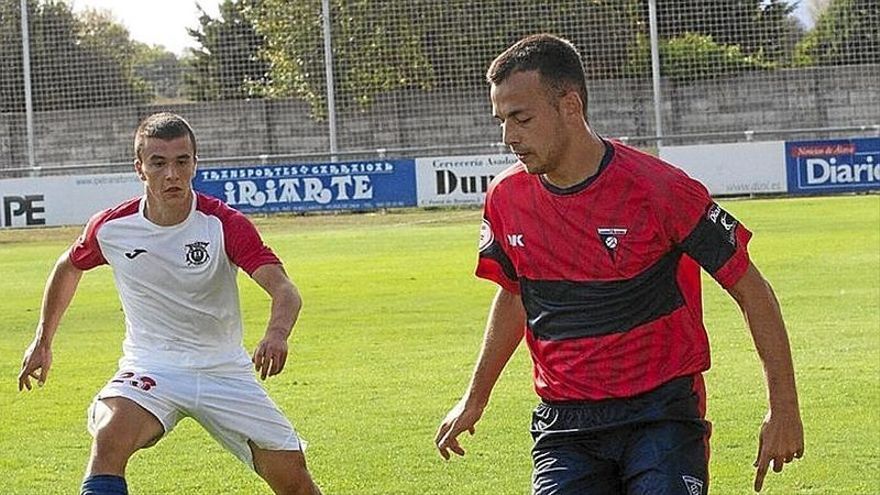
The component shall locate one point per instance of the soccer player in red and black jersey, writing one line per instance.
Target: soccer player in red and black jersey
(597, 248)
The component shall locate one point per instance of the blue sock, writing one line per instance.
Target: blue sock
(104, 484)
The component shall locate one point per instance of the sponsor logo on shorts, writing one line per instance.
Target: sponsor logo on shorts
(545, 418)
(694, 485)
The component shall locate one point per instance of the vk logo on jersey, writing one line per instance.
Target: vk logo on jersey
(197, 254)
(833, 165)
(515, 240)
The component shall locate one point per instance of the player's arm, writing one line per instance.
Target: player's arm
(782, 434)
(270, 355)
(60, 289)
(504, 331)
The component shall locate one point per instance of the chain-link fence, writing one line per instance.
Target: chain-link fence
(407, 76)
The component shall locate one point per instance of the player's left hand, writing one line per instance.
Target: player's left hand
(781, 440)
(270, 355)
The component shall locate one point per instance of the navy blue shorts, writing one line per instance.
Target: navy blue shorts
(655, 443)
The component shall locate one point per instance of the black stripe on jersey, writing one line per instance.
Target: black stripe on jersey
(562, 309)
(713, 240)
(495, 252)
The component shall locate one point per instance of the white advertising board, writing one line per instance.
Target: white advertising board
(62, 200)
(457, 180)
(737, 168)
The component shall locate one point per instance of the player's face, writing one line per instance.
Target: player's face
(531, 124)
(167, 168)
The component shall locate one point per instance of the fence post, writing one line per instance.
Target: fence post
(328, 73)
(28, 94)
(655, 71)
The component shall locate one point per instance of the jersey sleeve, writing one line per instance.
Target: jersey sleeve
(244, 246)
(493, 263)
(706, 232)
(85, 253)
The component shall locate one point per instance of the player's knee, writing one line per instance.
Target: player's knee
(112, 445)
(288, 477)
(302, 487)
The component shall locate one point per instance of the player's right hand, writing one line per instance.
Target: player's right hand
(460, 419)
(36, 363)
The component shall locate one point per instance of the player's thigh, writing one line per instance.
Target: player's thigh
(119, 425)
(238, 412)
(668, 458)
(138, 406)
(573, 469)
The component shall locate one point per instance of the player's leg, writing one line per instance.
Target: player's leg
(668, 458)
(573, 470)
(570, 456)
(284, 470)
(131, 412)
(120, 428)
(238, 413)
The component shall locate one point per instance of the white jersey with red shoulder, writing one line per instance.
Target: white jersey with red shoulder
(177, 284)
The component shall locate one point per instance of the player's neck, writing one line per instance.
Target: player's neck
(580, 161)
(167, 213)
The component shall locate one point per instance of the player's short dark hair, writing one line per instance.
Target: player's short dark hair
(165, 126)
(556, 59)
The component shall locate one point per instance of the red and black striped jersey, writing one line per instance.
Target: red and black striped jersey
(607, 274)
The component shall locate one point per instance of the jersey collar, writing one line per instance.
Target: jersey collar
(580, 186)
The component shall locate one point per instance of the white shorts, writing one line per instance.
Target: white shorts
(233, 408)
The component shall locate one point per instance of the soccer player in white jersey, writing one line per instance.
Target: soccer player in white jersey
(175, 254)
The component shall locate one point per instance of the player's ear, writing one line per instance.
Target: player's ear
(572, 105)
(139, 170)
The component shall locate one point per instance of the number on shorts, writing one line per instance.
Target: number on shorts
(142, 382)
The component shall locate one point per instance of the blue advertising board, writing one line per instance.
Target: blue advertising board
(363, 185)
(833, 165)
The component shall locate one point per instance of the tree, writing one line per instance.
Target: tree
(160, 69)
(72, 65)
(846, 33)
(694, 56)
(816, 8)
(760, 28)
(99, 33)
(228, 65)
(373, 52)
(426, 44)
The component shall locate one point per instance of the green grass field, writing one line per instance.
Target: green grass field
(392, 321)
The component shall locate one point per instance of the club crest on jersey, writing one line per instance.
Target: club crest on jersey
(197, 253)
(611, 238)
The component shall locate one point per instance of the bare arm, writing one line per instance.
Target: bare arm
(60, 289)
(782, 434)
(504, 331)
(270, 355)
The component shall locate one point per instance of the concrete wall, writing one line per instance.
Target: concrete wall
(786, 99)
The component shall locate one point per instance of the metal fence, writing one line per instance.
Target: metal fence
(277, 81)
